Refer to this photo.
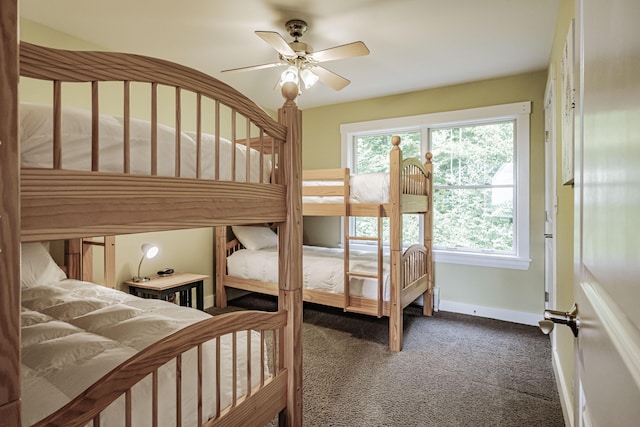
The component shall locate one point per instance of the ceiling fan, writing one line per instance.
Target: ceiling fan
(303, 62)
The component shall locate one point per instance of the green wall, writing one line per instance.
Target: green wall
(502, 289)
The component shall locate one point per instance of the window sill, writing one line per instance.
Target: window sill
(482, 260)
(464, 258)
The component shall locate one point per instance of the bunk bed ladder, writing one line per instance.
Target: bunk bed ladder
(378, 275)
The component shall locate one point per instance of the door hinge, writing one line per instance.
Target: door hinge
(546, 296)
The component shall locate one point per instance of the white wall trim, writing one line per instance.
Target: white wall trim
(491, 312)
(563, 391)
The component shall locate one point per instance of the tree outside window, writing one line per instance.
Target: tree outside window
(371, 155)
(474, 187)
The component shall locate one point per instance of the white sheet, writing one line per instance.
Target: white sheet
(75, 332)
(36, 146)
(322, 269)
(364, 188)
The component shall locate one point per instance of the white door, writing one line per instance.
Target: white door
(550, 202)
(607, 195)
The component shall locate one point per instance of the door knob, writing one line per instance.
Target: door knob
(569, 318)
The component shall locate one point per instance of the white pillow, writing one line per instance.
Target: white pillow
(37, 266)
(255, 238)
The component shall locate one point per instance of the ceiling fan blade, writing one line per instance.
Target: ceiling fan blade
(330, 78)
(276, 41)
(340, 52)
(252, 67)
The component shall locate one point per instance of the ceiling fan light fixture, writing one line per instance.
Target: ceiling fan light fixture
(309, 78)
(300, 58)
(289, 75)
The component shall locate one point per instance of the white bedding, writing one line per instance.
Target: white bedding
(322, 269)
(74, 332)
(364, 188)
(36, 146)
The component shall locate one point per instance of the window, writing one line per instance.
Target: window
(481, 179)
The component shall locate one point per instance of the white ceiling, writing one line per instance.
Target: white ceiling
(414, 44)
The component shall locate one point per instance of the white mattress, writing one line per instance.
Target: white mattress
(364, 188)
(74, 332)
(322, 269)
(36, 146)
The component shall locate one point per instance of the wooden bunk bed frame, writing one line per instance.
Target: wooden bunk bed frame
(411, 271)
(54, 204)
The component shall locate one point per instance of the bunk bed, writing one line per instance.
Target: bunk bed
(368, 283)
(50, 202)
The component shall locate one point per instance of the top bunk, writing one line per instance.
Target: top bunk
(336, 192)
(93, 171)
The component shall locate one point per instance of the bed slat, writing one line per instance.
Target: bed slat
(234, 370)
(199, 383)
(178, 127)
(249, 388)
(128, 413)
(127, 127)
(179, 391)
(57, 124)
(95, 127)
(154, 128)
(154, 399)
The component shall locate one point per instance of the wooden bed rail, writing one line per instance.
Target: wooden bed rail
(83, 66)
(261, 133)
(416, 276)
(88, 405)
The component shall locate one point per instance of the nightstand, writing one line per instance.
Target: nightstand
(163, 287)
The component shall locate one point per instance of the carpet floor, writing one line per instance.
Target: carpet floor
(454, 370)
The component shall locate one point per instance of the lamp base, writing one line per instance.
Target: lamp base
(138, 279)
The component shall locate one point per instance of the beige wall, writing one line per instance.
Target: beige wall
(186, 251)
(502, 289)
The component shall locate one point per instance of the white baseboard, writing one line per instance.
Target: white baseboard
(491, 312)
(563, 390)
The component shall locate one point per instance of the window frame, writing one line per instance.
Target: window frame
(518, 111)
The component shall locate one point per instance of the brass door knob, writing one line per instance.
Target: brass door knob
(569, 318)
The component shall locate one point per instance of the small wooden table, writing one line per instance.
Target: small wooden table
(164, 286)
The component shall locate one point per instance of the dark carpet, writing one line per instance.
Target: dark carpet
(454, 370)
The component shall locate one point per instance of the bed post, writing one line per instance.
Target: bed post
(9, 218)
(427, 307)
(290, 265)
(73, 258)
(395, 247)
(220, 297)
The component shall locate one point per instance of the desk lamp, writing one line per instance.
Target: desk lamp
(148, 251)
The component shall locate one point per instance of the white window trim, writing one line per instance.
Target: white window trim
(518, 111)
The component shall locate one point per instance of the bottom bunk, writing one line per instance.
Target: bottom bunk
(247, 259)
(94, 353)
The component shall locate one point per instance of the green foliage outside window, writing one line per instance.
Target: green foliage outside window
(371, 154)
(473, 184)
(474, 187)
